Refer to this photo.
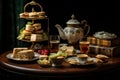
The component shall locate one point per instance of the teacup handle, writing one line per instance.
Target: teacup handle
(84, 22)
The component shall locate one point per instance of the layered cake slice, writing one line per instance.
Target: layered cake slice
(23, 53)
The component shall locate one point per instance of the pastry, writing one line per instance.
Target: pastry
(42, 13)
(89, 61)
(104, 58)
(33, 14)
(38, 31)
(25, 14)
(36, 37)
(23, 53)
(16, 50)
(101, 56)
(99, 60)
(37, 26)
(68, 49)
(26, 32)
(41, 57)
(71, 61)
(29, 27)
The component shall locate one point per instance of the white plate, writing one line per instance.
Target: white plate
(10, 56)
(81, 62)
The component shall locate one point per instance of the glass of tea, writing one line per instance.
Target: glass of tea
(84, 46)
(54, 43)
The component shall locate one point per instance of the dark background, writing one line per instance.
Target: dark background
(100, 16)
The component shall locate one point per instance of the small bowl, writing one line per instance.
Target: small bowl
(44, 63)
(57, 61)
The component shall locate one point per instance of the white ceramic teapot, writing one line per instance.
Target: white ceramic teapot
(74, 30)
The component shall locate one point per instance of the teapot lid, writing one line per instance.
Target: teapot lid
(73, 20)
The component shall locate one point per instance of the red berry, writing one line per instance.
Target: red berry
(46, 52)
(42, 52)
(39, 51)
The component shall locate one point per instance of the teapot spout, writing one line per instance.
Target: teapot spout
(61, 31)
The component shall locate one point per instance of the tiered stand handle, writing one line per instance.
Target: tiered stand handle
(33, 3)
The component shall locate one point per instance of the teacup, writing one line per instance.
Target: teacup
(82, 57)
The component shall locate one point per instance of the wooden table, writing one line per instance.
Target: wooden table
(33, 69)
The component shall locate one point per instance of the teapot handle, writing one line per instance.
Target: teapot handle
(84, 22)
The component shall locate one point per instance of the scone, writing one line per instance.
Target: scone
(104, 58)
(89, 61)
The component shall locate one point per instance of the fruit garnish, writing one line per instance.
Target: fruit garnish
(59, 53)
(43, 51)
